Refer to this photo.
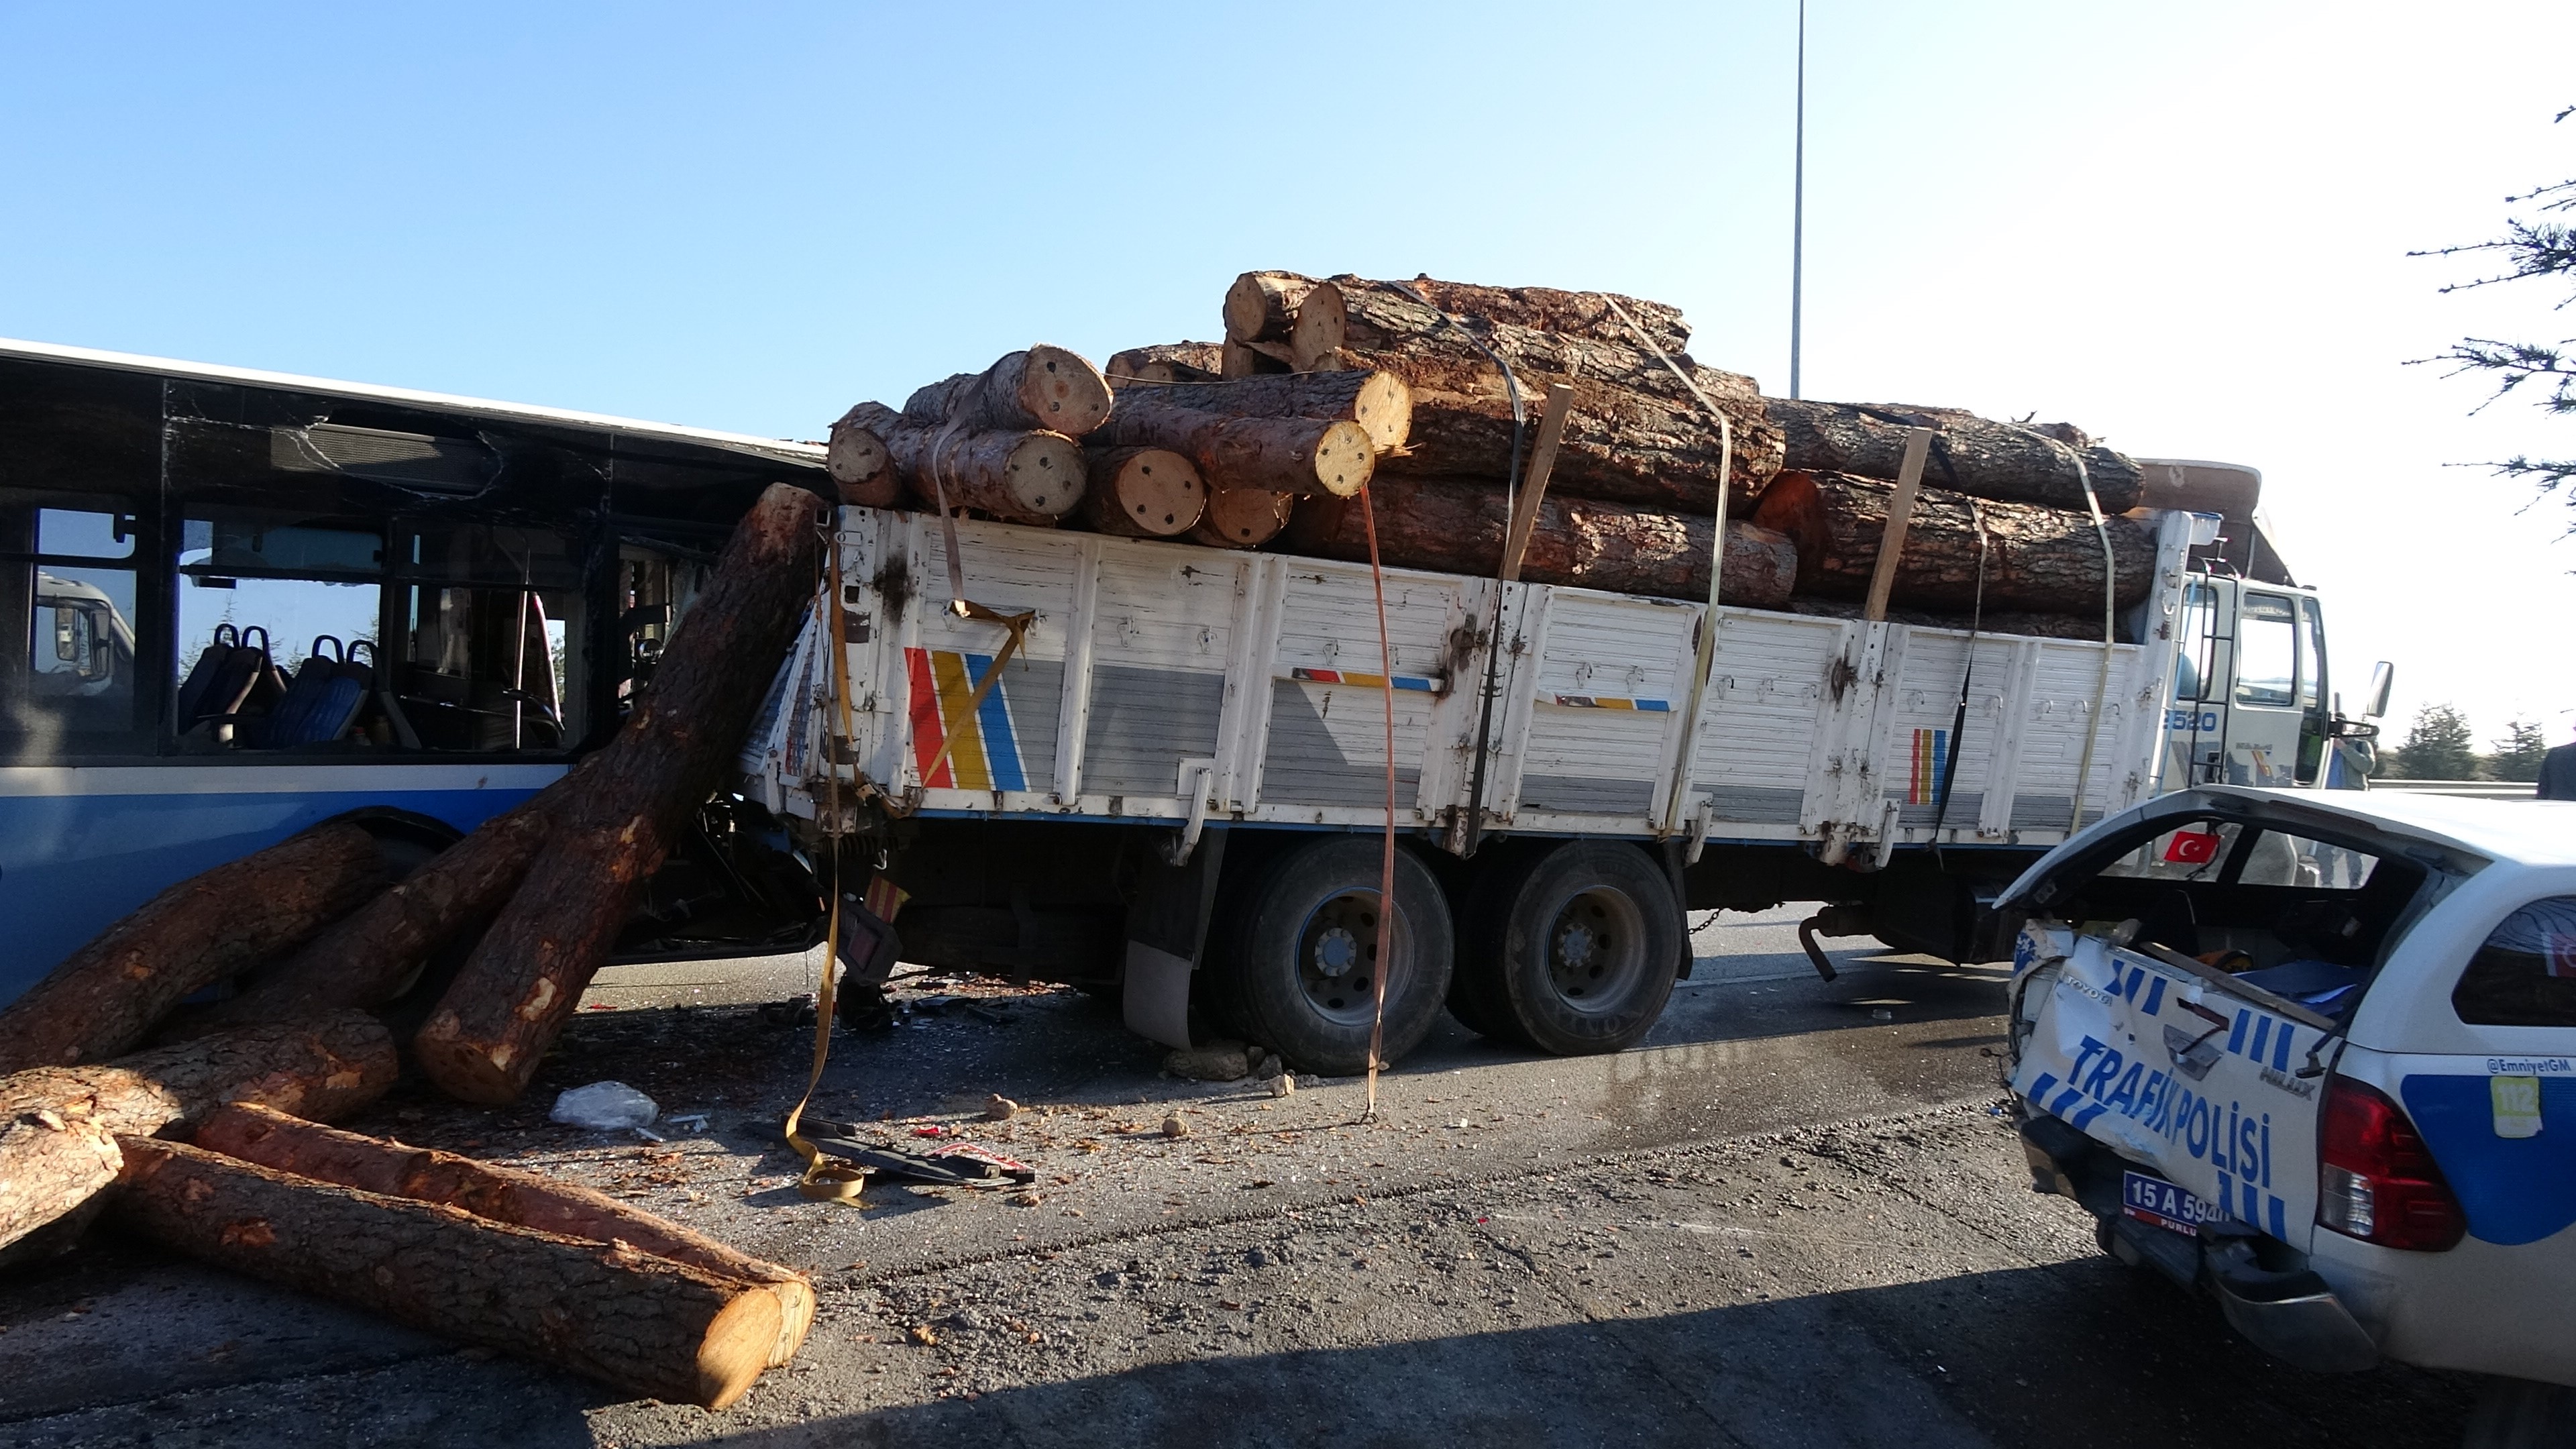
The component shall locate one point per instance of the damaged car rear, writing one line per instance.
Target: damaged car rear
(2317, 1056)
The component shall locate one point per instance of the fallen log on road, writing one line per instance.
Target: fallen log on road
(611, 1311)
(502, 1194)
(57, 1124)
(103, 999)
(622, 809)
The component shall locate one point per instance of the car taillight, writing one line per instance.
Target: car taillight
(2376, 1180)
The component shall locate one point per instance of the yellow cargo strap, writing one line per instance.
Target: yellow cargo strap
(825, 1180)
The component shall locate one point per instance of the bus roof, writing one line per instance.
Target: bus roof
(773, 449)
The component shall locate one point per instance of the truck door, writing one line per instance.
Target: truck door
(2267, 717)
(2204, 661)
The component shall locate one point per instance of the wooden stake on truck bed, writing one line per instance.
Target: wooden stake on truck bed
(1900, 513)
(1551, 430)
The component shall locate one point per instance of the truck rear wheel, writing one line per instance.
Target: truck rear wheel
(1581, 954)
(1303, 962)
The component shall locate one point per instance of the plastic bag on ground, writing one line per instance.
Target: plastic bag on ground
(605, 1107)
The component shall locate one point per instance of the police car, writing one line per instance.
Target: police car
(2316, 1054)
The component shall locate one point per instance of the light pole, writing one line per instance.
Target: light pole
(1798, 208)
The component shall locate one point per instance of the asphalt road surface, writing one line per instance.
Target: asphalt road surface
(1793, 1217)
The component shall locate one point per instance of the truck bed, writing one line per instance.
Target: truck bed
(1166, 681)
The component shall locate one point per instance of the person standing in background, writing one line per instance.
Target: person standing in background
(2558, 773)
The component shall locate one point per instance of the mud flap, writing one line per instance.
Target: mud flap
(1166, 925)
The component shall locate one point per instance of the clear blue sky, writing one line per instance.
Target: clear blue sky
(2181, 226)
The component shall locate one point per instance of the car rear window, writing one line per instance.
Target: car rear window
(2525, 973)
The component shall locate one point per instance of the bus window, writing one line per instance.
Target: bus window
(67, 606)
(2267, 652)
(296, 580)
(487, 614)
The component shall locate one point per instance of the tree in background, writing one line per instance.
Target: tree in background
(2436, 748)
(2537, 245)
(2517, 754)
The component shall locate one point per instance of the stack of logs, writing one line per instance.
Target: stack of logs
(320, 934)
(1322, 388)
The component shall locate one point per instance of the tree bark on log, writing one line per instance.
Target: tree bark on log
(57, 1124)
(614, 1313)
(104, 998)
(1377, 401)
(1262, 306)
(1283, 455)
(1044, 389)
(1457, 525)
(1026, 477)
(1548, 309)
(371, 955)
(1243, 518)
(502, 1195)
(1166, 362)
(1377, 319)
(623, 808)
(1969, 454)
(2045, 560)
(1620, 445)
(1142, 493)
(860, 465)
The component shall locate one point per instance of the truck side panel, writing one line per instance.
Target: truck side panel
(1159, 681)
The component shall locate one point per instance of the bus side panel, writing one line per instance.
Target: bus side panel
(80, 848)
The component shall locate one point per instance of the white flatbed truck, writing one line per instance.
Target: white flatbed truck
(1176, 787)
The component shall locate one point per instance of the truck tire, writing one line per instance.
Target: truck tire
(1298, 959)
(1581, 955)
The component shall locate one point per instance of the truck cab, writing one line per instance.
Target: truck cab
(2255, 699)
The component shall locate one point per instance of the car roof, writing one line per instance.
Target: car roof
(2528, 832)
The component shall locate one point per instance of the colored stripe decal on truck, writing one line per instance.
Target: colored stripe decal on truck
(985, 755)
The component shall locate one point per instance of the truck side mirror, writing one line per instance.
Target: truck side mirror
(2383, 677)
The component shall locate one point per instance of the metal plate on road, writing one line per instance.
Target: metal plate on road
(2154, 1200)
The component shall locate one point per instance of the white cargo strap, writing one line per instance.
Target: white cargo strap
(2110, 638)
(1706, 662)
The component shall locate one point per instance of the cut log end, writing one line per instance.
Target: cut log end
(1345, 456)
(1243, 518)
(1144, 492)
(1262, 306)
(736, 1348)
(1044, 475)
(1323, 321)
(1063, 391)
